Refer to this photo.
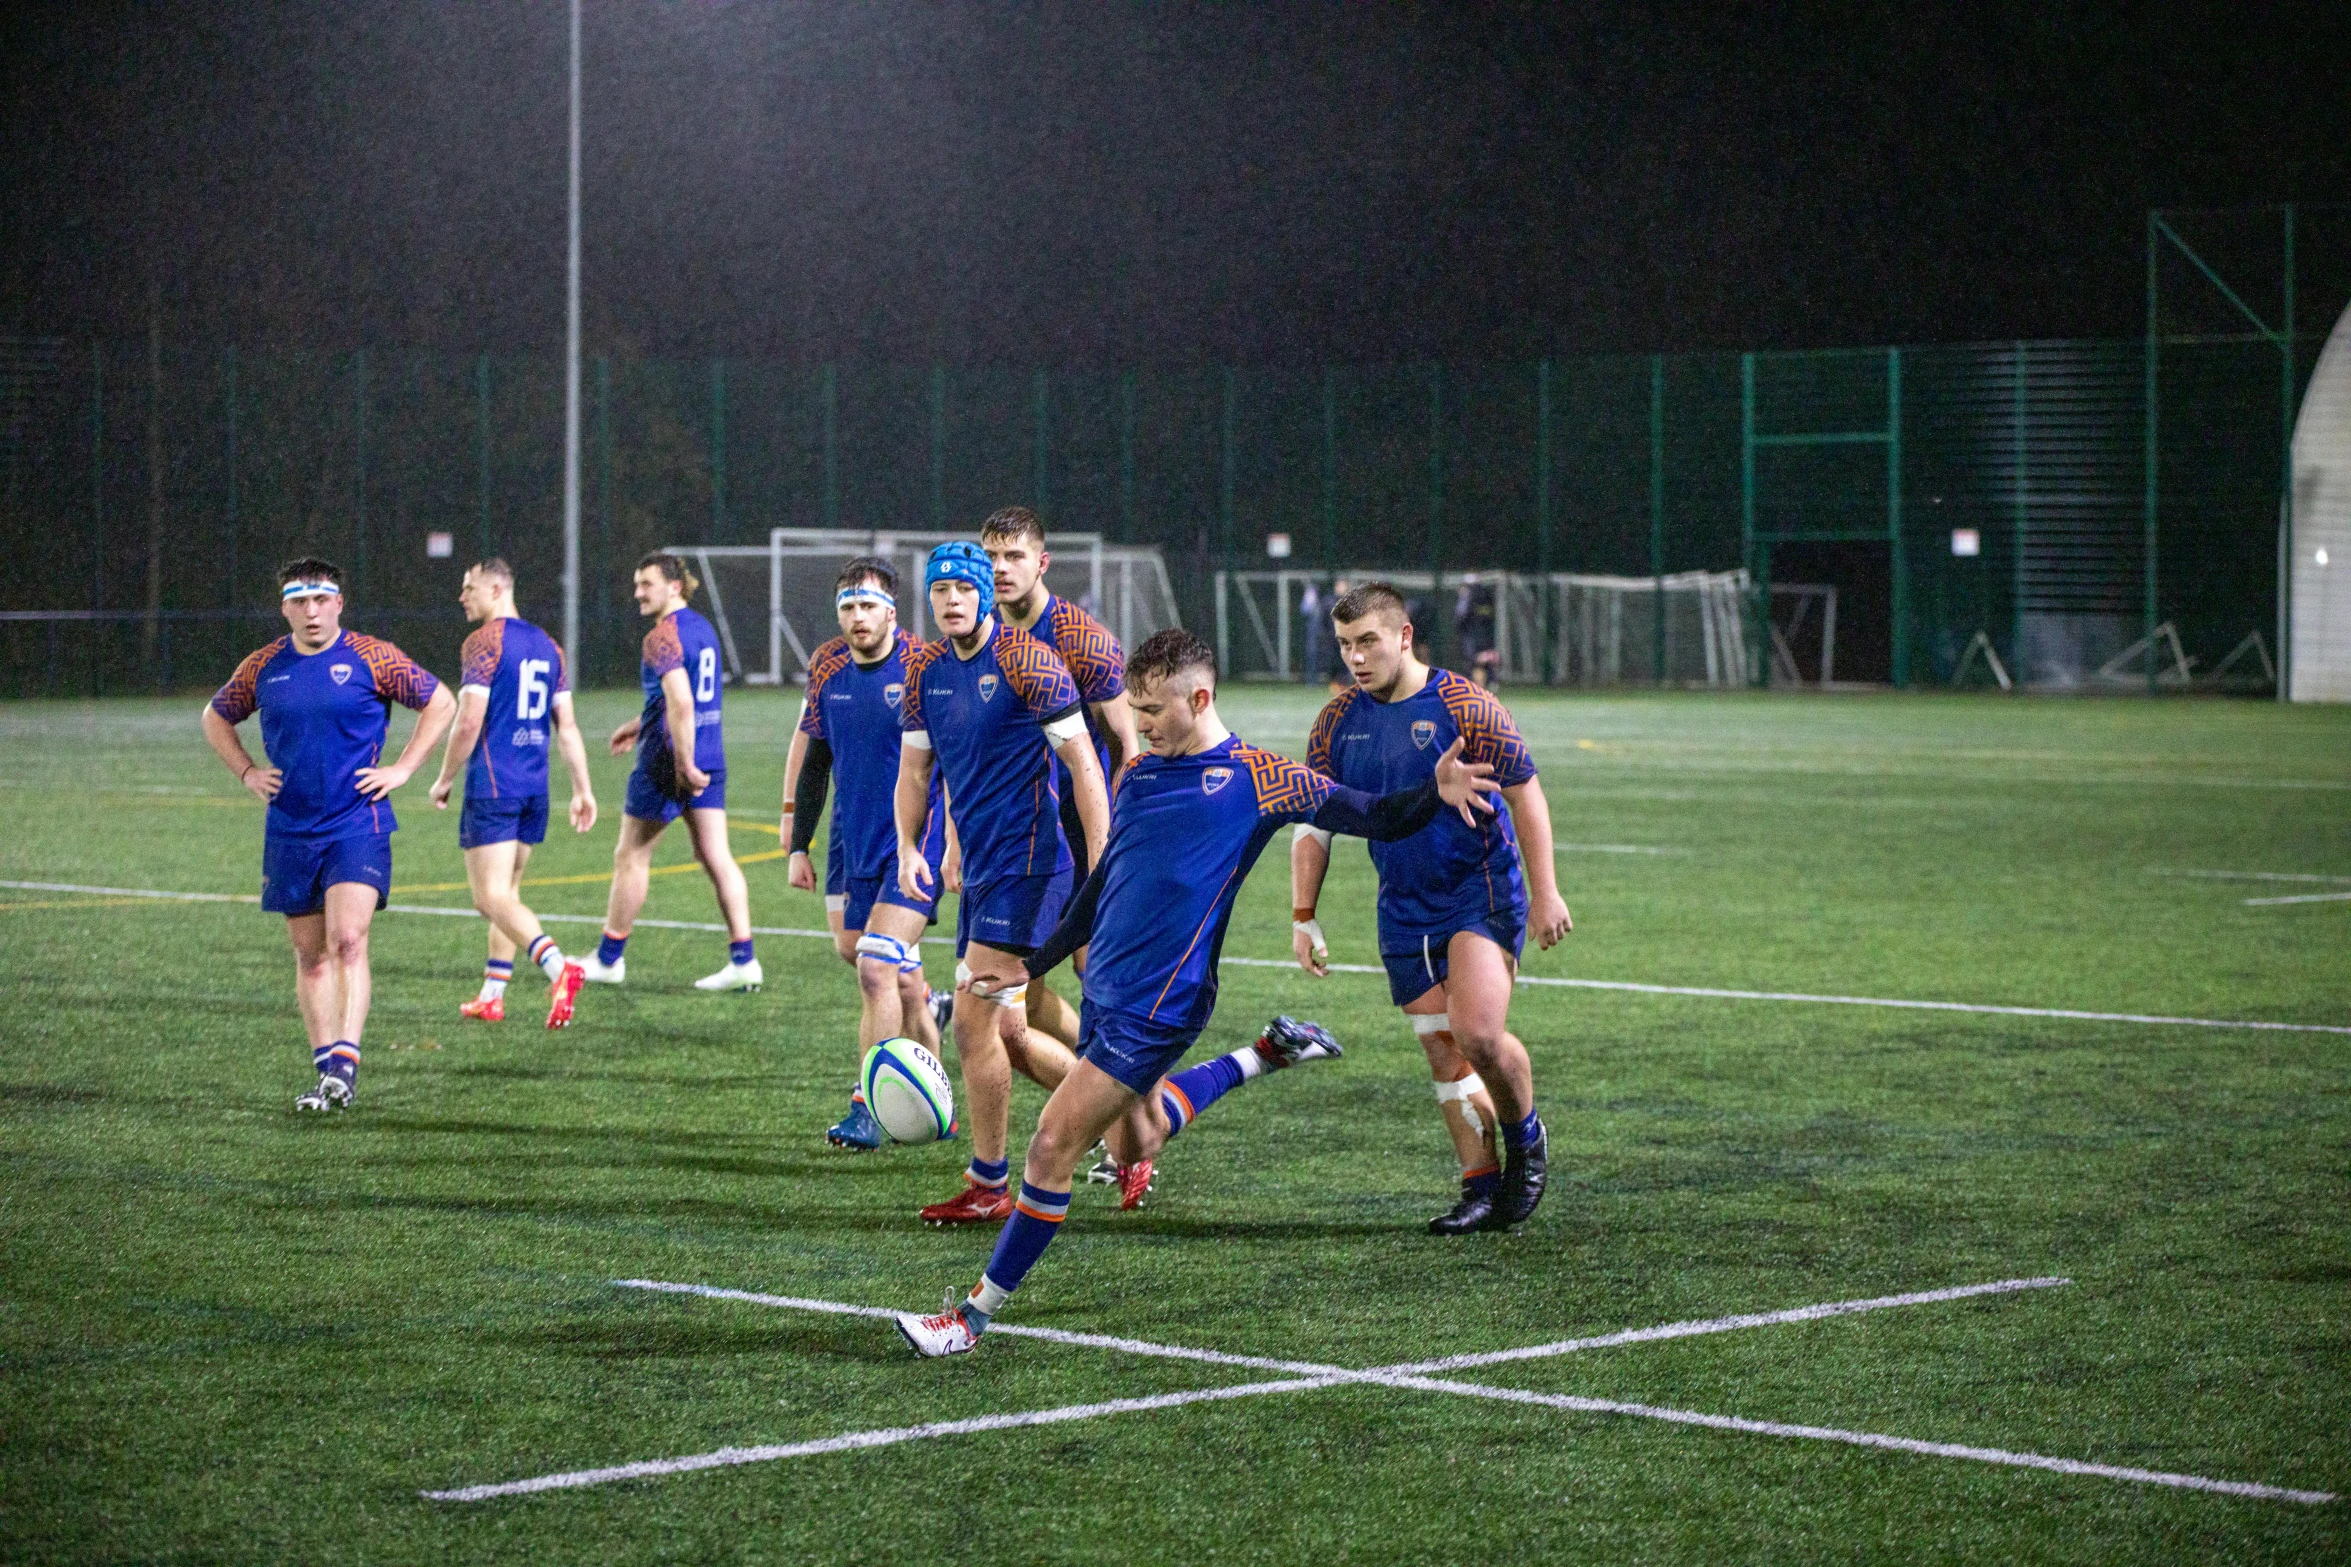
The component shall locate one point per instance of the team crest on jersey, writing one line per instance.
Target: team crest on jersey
(1423, 732)
(987, 688)
(1214, 779)
(894, 693)
(341, 673)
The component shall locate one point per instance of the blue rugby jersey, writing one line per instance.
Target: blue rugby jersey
(1096, 662)
(1184, 832)
(324, 716)
(985, 717)
(683, 640)
(856, 710)
(519, 669)
(1431, 883)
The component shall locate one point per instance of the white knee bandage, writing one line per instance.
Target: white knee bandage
(1432, 1023)
(1458, 1092)
(887, 948)
(1010, 996)
(835, 902)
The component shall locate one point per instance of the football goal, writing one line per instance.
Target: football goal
(772, 603)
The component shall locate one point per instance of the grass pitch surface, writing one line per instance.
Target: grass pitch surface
(234, 1335)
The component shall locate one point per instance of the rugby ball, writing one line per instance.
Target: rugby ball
(907, 1090)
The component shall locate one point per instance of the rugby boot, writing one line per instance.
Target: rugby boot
(948, 1333)
(1104, 1170)
(942, 1005)
(332, 1093)
(1287, 1042)
(1134, 1182)
(565, 993)
(1474, 1212)
(735, 976)
(857, 1131)
(1524, 1171)
(599, 972)
(490, 1011)
(975, 1204)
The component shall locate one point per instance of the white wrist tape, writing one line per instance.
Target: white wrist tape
(1009, 996)
(1312, 931)
(1461, 1090)
(1308, 830)
(1432, 1023)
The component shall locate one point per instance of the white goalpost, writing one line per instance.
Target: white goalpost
(772, 603)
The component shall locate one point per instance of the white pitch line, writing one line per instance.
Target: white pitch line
(855, 1440)
(1613, 848)
(1402, 1377)
(2247, 875)
(1713, 994)
(2307, 897)
(1633, 987)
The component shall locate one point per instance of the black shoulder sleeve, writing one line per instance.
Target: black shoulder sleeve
(1383, 820)
(1076, 927)
(816, 775)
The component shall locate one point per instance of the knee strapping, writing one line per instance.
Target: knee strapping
(1460, 1092)
(1010, 996)
(907, 959)
(1429, 1023)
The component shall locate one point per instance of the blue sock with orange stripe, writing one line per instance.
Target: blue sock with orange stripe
(340, 1059)
(1185, 1094)
(1036, 1216)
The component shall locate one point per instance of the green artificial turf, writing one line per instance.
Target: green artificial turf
(228, 1334)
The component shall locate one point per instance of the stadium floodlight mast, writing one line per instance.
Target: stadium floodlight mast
(571, 382)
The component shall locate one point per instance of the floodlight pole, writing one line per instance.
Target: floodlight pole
(571, 382)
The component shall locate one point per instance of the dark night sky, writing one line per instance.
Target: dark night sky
(1083, 182)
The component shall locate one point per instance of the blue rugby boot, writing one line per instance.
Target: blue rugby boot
(857, 1131)
(1287, 1041)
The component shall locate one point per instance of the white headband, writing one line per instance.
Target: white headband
(864, 593)
(295, 590)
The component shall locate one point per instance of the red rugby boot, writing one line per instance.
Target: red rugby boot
(567, 991)
(973, 1205)
(490, 1011)
(1134, 1180)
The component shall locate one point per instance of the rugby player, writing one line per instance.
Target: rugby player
(1453, 907)
(1014, 538)
(989, 707)
(514, 696)
(1190, 819)
(324, 695)
(681, 771)
(849, 734)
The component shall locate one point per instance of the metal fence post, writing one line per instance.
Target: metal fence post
(230, 602)
(1041, 400)
(1657, 517)
(939, 448)
(97, 505)
(2019, 457)
(1330, 468)
(482, 442)
(1543, 520)
(603, 496)
(1224, 490)
(359, 467)
(1436, 503)
(2286, 470)
(1894, 541)
(1747, 482)
(718, 451)
(2151, 431)
(1126, 458)
(830, 391)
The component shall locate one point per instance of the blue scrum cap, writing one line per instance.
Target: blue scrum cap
(960, 560)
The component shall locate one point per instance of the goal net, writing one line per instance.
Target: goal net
(1687, 628)
(772, 603)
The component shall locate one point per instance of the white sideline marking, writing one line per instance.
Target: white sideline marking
(1613, 848)
(2307, 897)
(1403, 1376)
(1634, 987)
(854, 1440)
(2247, 875)
(1711, 993)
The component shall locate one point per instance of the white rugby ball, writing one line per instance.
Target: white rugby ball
(907, 1090)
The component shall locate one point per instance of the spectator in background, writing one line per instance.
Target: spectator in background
(1334, 664)
(1473, 624)
(1322, 649)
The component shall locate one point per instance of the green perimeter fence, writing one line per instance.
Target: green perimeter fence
(2014, 498)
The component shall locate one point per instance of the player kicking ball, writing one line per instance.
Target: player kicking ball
(1453, 906)
(1190, 819)
(989, 707)
(849, 734)
(325, 695)
(514, 696)
(681, 771)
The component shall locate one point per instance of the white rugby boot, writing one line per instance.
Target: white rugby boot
(735, 976)
(600, 973)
